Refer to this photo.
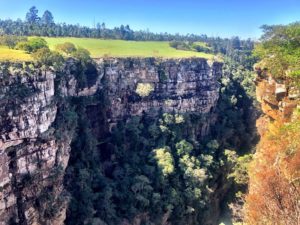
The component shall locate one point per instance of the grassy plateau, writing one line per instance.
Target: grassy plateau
(109, 48)
(120, 48)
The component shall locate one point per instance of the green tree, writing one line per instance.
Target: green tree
(32, 15)
(184, 147)
(47, 18)
(165, 160)
(239, 166)
(142, 190)
(279, 50)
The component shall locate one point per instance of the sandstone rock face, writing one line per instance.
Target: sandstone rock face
(28, 161)
(185, 85)
(277, 101)
(33, 158)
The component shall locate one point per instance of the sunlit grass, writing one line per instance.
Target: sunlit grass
(120, 48)
(7, 54)
(109, 48)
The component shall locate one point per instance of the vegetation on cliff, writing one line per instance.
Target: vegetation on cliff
(274, 176)
(280, 51)
(274, 185)
(235, 128)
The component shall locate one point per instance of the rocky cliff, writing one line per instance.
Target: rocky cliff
(273, 196)
(278, 99)
(35, 144)
(276, 95)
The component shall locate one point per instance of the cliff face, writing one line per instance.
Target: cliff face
(273, 196)
(30, 153)
(187, 85)
(277, 99)
(33, 153)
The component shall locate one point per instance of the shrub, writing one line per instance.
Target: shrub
(32, 45)
(82, 54)
(47, 58)
(144, 89)
(67, 48)
(11, 40)
(180, 45)
(199, 48)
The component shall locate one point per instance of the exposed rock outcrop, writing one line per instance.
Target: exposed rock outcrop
(278, 99)
(33, 156)
(273, 195)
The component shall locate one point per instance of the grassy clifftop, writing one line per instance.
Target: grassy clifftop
(110, 48)
(120, 48)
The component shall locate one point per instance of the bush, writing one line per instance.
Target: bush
(180, 45)
(82, 54)
(32, 45)
(199, 48)
(67, 48)
(23, 45)
(144, 89)
(11, 40)
(47, 58)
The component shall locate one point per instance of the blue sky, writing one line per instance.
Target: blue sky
(223, 18)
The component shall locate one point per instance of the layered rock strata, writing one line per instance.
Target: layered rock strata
(33, 155)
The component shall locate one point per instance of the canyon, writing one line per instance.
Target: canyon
(35, 143)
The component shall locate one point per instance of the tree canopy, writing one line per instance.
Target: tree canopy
(279, 50)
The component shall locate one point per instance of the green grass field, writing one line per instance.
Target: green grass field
(7, 54)
(109, 48)
(119, 48)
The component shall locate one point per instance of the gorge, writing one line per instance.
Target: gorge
(103, 125)
(40, 121)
